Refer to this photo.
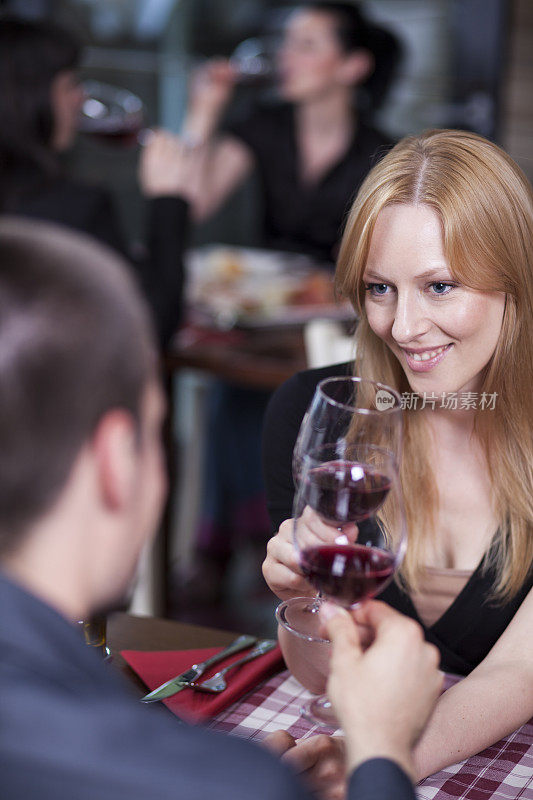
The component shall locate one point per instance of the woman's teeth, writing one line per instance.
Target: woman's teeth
(427, 355)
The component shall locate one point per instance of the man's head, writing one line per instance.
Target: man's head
(81, 475)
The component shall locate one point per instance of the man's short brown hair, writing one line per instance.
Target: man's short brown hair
(75, 342)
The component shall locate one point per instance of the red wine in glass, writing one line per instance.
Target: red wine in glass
(120, 136)
(347, 573)
(343, 491)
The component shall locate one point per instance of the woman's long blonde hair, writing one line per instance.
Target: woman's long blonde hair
(485, 204)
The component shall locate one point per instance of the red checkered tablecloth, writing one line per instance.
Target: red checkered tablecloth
(503, 771)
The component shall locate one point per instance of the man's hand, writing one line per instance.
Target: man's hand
(384, 695)
(319, 760)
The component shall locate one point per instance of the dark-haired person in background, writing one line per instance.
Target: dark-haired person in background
(40, 100)
(312, 149)
(81, 488)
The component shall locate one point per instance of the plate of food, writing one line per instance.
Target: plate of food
(246, 287)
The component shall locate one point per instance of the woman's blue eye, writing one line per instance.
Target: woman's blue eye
(441, 288)
(377, 288)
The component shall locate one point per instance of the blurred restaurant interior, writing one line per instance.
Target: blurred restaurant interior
(464, 64)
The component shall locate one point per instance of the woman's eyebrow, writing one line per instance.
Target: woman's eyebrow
(375, 276)
(429, 273)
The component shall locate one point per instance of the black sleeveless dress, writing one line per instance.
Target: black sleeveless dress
(473, 623)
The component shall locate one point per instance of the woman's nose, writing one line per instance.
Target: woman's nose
(410, 320)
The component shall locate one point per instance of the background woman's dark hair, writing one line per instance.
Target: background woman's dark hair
(31, 55)
(356, 32)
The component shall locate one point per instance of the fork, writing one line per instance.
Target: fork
(217, 683)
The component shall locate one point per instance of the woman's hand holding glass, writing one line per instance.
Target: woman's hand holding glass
(282, 568)
(344, 408)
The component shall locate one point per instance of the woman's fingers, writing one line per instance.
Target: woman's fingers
(164, 167)
(212, 85)
(311, 527)
(282, 551)
(281, 567)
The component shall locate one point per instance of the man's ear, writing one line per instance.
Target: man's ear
(357, 67)
(114, 445)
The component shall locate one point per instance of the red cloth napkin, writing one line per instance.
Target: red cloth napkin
(156, 667)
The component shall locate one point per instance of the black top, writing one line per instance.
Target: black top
(70, 729)
(298, 216)
(90, 209)
(472, 624)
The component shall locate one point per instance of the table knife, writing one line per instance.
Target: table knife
(186, 678)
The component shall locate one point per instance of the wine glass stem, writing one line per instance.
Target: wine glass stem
(316, 603)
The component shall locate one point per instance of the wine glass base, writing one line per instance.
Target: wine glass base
(319, 711)
(300, 616)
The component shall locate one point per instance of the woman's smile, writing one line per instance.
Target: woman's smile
(425, 359)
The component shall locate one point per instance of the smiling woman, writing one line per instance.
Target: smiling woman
(454, 204)
(437, 259)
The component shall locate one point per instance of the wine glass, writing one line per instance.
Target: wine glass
(344, 408)
(254, 60)
(112, 114)
(349, 528)
(363, 410)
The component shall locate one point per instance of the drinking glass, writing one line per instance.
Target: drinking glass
(254, 60)
(113, 115)
(349, 528)
(344, 407)
(95, 634)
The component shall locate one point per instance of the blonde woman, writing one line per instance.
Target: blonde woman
(437, 259)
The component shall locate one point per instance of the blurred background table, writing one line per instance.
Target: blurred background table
(258, 358)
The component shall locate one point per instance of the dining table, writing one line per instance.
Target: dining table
(503, 771)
